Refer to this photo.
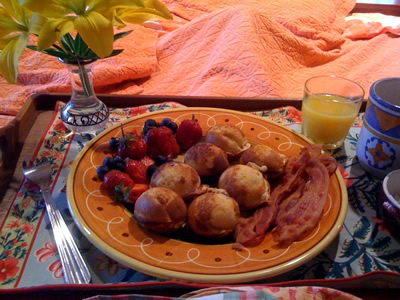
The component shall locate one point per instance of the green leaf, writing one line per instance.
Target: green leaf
(115, 52)
(56, 53)
(32, 47)
(80, 46)
(121, 35)
(68, 43)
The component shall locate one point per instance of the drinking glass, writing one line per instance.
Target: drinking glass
(329, 108)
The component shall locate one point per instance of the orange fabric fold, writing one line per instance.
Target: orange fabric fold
(233, 48)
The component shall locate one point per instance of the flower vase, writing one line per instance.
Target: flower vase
(84, 113)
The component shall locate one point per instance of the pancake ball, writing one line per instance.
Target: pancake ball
(246, 185)
(177, 176)
(229, 138)
(161, 210)
(207, 159)
(213, 215)
(264, 156)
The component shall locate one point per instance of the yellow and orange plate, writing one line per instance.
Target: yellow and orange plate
(113, 230)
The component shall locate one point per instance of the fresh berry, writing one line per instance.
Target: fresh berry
(149, 124)
(129, 194)
(119, 167)
(159, 160)
(117, 163)
(150, 170)
(108, 161)
(189, 133)
(148, 161)
(114, 143)
(173, 127)
(167, 122)
(117, 159)
(132, 145)
(137, 190)
(161, 141)
(114, 178)
(137, 170)
(102, 170)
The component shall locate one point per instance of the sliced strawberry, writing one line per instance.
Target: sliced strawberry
(148, 161)
(115, 178)
(137, 170)
(161, 141)
(137, 190)
(129, 194)
(189, 133)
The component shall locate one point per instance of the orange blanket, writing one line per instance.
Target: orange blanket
(249, 48)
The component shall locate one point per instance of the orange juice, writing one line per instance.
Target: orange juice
(326, 119)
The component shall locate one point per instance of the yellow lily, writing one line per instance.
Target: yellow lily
(16, 23)
(92, 19)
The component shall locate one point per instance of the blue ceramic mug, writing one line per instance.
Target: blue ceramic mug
(378, 147)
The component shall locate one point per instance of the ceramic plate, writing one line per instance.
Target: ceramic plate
(113, 230)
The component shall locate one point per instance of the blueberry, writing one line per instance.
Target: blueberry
(150, 170)
(117, 159)
(165, 122)
(101, 171)
(159, 160)
(114, 143)
(119, 166)
(108, 161)
(150, 123)
(145, 130)
(173, 127)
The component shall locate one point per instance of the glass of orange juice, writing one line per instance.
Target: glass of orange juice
(329, 108)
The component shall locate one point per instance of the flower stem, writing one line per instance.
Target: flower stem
(85, 80)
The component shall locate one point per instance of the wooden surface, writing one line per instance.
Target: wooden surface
(15, 176)
(388, 7)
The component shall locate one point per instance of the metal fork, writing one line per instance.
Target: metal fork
(75, 268)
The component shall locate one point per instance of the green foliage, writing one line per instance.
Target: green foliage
(73, 50)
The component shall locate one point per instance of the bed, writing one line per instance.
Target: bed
(235, 48)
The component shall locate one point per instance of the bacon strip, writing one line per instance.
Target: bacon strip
(295, 221)
(296, 202)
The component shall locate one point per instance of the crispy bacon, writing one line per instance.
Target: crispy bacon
(296, 202)
(299, 217)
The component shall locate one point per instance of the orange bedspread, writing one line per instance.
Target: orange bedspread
(249, 48)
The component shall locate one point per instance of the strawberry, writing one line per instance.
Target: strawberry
(137, 190)
(130, 194)
(148, 161)
(189, 133)
(116, 178)
(132, 145)
(137, 170)
(161, 141)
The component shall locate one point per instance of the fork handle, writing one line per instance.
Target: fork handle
(74, 267)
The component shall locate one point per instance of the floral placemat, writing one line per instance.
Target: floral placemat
(27, 248)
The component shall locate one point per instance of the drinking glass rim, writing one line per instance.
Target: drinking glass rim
(351, 100)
